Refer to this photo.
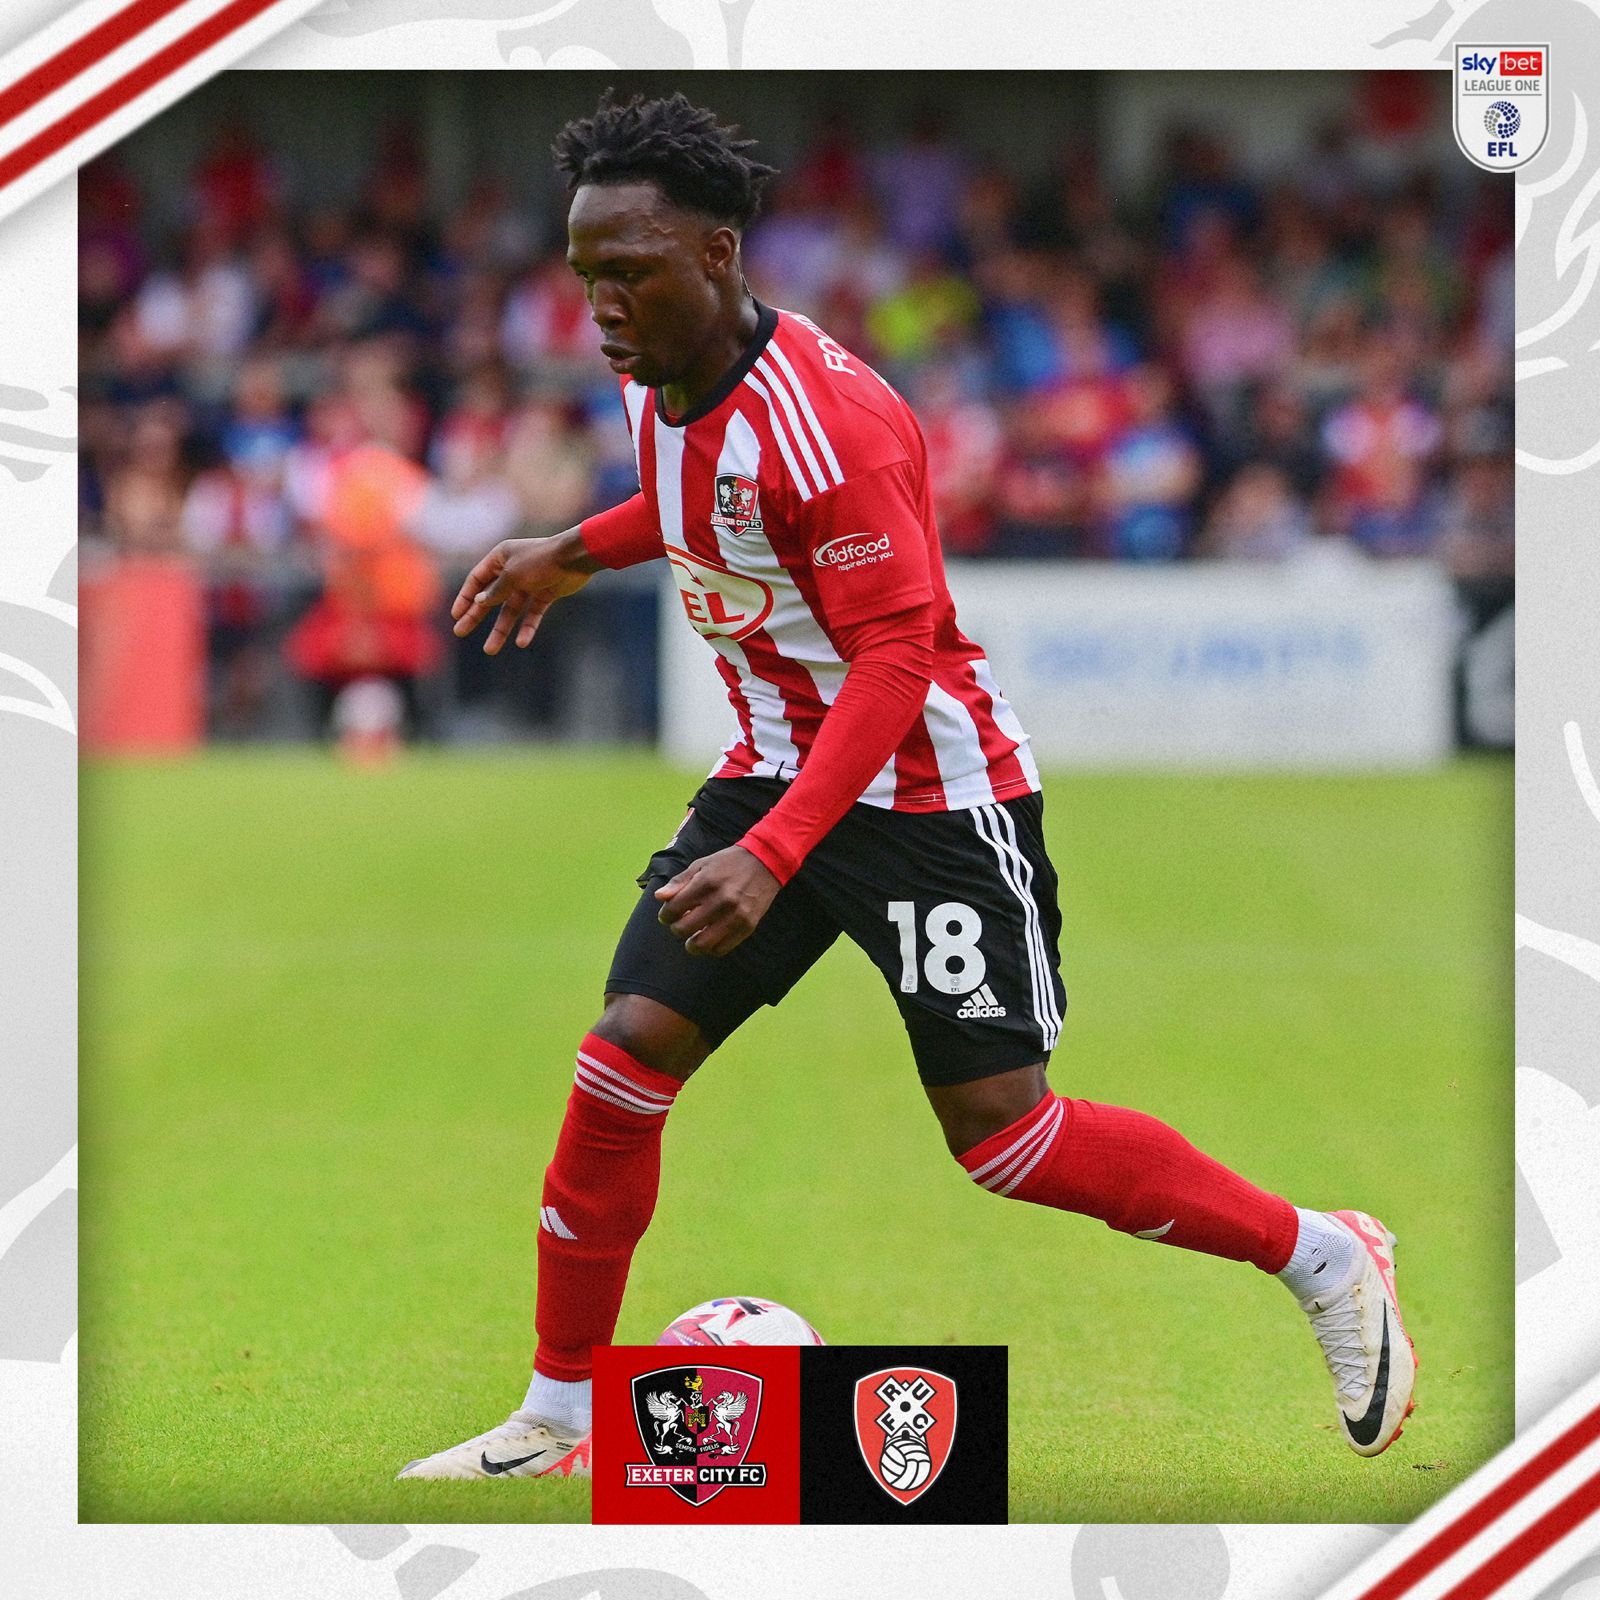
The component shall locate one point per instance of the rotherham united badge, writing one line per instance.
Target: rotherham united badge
(905, 1426)
(696, 1424)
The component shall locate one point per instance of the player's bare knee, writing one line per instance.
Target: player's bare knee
(653, 1034)
(969, 1113)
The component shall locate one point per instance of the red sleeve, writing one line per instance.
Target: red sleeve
(891, 664)
(867, 542)
(623, 536)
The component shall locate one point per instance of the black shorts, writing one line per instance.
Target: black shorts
(957, 909)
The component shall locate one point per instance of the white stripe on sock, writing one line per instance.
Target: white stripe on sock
(551, 1218)
(621, 1080)
(1035, 1118)
(1031, 1156)
(1038, 1156)
(603, 1091)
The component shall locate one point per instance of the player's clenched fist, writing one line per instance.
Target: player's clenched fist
(714, 904)
(524, 577)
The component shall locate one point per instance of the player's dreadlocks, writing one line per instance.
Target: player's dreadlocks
(696, 162)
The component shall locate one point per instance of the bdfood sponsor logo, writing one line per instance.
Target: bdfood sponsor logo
(853, 550)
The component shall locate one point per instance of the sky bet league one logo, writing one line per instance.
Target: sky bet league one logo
(1502, 103)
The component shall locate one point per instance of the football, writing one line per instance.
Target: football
(740, 1319)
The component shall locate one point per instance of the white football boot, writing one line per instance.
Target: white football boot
(524, 1446)
(1368, 1351)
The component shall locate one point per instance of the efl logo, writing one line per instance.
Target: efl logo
(853, 550)
(905, 1426)
(1502, 103)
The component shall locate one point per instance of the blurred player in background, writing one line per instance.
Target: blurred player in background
(880, 787)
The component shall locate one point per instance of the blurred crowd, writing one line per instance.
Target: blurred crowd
(344, 405)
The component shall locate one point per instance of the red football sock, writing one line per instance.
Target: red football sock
(1136, 1175)
(599, 1195)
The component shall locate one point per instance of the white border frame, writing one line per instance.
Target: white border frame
(1558, 810)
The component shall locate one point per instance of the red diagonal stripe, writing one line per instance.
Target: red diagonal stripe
(1495, 1504)
(81, 54)
(129, 87)
(1530, 1544)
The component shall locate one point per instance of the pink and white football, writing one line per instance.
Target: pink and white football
(740, 1319)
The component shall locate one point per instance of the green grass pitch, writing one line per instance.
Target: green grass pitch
(327, 1031)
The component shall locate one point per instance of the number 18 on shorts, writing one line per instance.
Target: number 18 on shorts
(957, 910)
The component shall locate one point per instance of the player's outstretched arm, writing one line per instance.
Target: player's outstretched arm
(714, 904)
(524, 578)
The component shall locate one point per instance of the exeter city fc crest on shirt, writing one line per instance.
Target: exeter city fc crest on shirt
(905, 1426)
(696, 1425)
(737, 507)
(1502, 103)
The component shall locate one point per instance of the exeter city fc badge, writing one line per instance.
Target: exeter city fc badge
(905, 1426)
(696, 1425)
(1502, 103)
(737, 507)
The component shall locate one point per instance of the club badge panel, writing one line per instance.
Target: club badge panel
(901, 1434)
(840, 1434)
(681, 1440)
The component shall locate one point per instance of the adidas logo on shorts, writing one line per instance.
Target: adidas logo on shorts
(980, 1003)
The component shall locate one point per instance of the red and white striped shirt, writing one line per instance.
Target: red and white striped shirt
(793, 504)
